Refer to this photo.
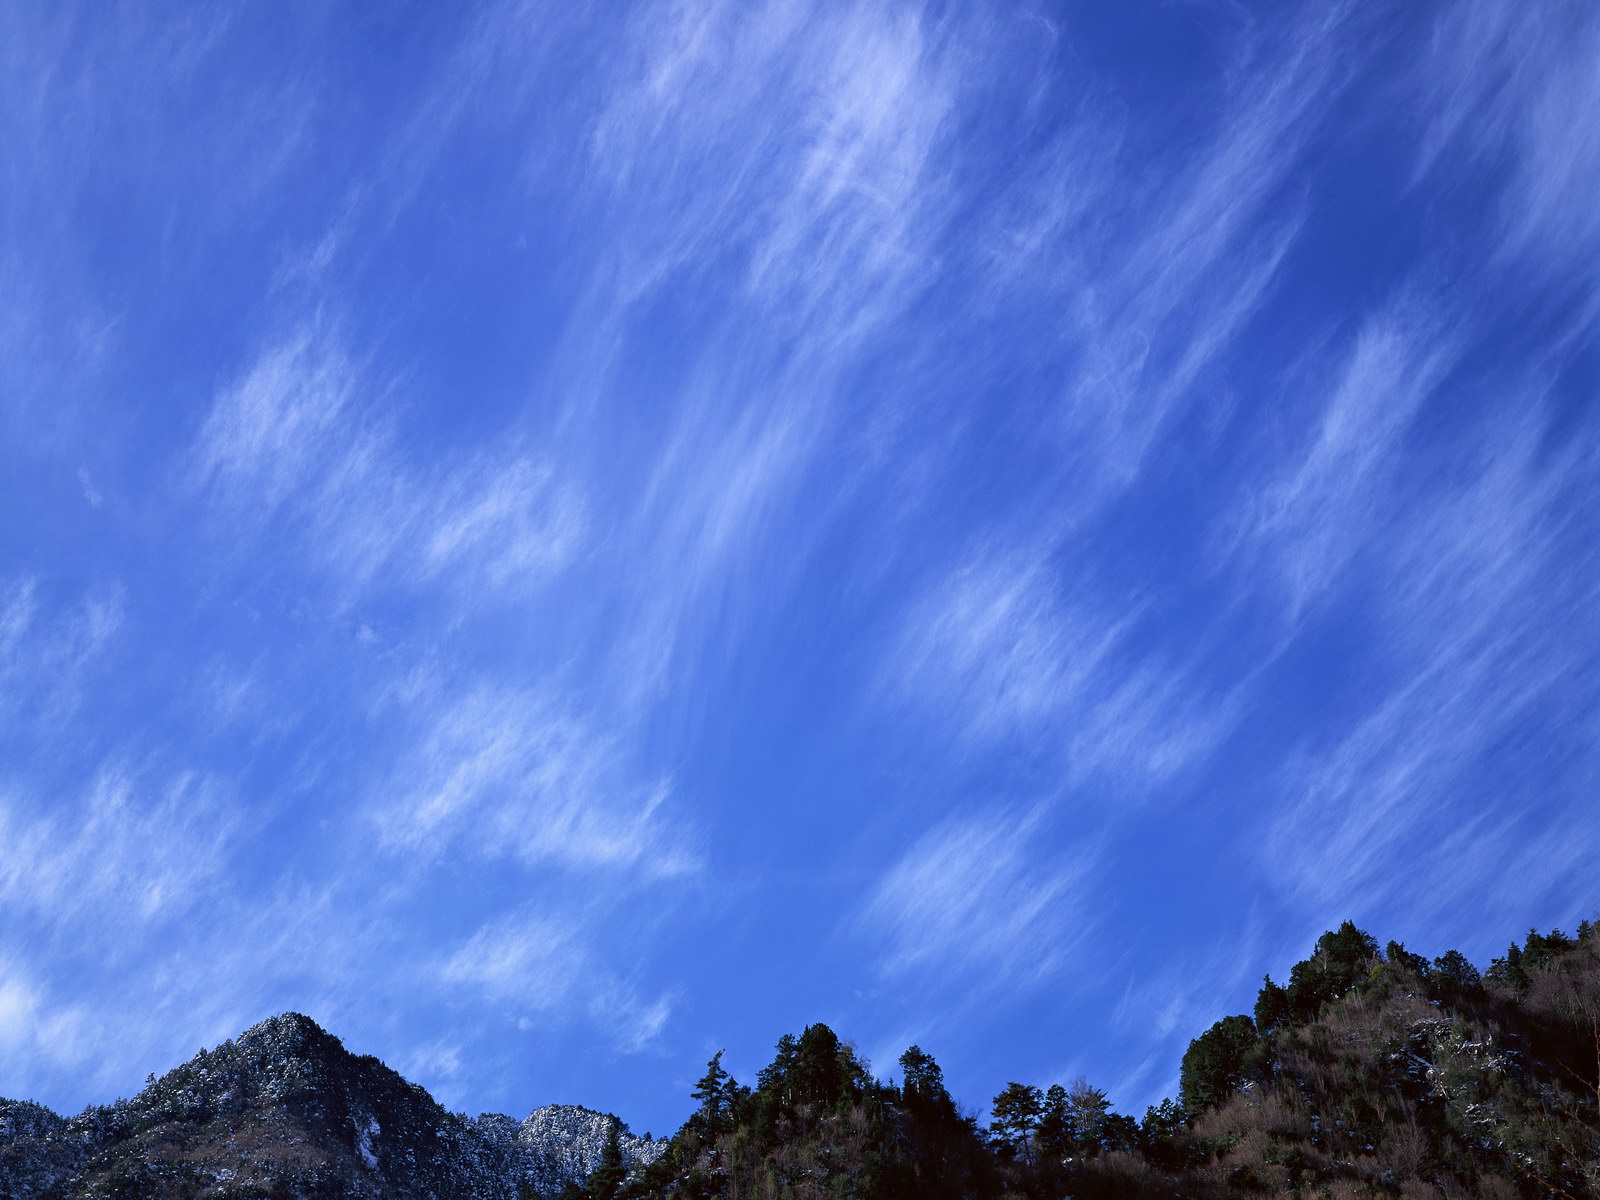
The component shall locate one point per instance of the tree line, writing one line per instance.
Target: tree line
(1369, 1072)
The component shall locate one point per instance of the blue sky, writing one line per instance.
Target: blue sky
(557, 538)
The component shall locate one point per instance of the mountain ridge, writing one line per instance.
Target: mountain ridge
(285, 1109)
(1372, 1072)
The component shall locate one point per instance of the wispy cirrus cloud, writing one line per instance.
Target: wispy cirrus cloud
(1016, 643)
(1327, 504)
(999, 638)
(108, 866)
(304, 438)
(542, 967)
(50, 651)
(39, 1028)
(783, 169)
(953, 448)
(1500, 93)
(1150, 281)
(800, 146)
(512, 774)
(977, 895)
(1480, 639)
(999, 652)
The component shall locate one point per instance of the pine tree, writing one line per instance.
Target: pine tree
(775, 1079)
(1342, 959)
(1054, 1135)
(1510, 969)
(922, 1077)
(605, 1183)
(714, 1094)
(1159, 1131)
(1453, 976)
(1272, 1006)
(1015, 1116)
(1214, 1065)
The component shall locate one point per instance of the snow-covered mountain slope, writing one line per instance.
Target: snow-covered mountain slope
(286, 1110)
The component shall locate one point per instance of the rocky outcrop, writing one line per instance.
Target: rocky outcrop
(285, 1110)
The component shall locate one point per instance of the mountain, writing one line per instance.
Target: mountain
(1371, 1073)
(286, 1111)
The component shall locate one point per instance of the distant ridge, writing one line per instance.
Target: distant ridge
(1371, 1073)
(286, 1110)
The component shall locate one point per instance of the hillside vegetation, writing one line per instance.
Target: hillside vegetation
(1369, 1073)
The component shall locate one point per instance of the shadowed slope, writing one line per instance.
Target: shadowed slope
(286, 1110)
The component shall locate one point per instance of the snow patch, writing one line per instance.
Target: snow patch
(364, 1143)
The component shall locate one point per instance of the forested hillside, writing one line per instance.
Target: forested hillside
(1369, 1072)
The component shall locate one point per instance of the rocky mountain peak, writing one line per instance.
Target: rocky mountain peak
(286, 1109)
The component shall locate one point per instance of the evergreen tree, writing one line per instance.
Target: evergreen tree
(714, 1093)
(1398, 956)
(1343, 958)
(1510, 970)
(816, 1073)
(773, 1080)
(1014, 1116)
(1159, 1134)
(1453, 976)
(1120, 1132)
(1272, 1005)
(1214, 1065)
(1054, 1134)
(605, 1183)
(921, 1077)
(1542, 949)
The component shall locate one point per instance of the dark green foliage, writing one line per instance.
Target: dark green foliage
(1160, 1134)
(1369, 1075)
(1399, 958)
(1509, 970)
(1054, 1133)
(715, 1094)
(1215, 1064)
(922, 1079)
(1538, 953)
(1014, 1117)
(818, 1124)
(607, 1180)
(1453, 977)
(1272, 1006)
(1118, 1131)
(1343, 959)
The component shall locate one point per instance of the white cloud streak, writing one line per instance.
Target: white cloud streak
(509, 774)
(1484, 590)
(540, 968)
(999, 654)
(49, 654)
(1317, 516)
(976, 896)
(131, 853)
(1502, 86)
(302, 436)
